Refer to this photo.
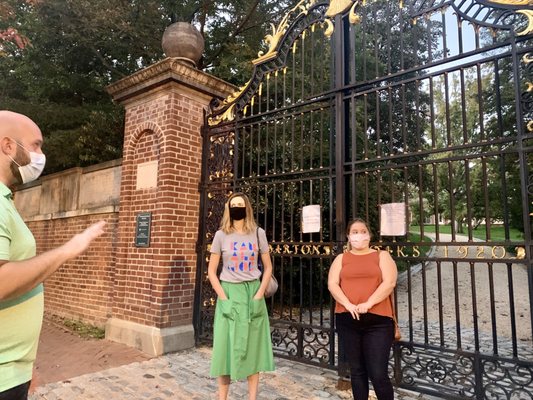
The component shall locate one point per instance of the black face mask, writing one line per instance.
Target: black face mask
(237, 213)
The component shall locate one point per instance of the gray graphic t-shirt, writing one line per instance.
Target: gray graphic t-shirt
(239, 255)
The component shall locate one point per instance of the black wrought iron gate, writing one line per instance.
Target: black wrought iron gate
(418, 116)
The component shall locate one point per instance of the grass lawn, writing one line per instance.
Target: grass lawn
(424, 250)
(497, 232)
(415, 237)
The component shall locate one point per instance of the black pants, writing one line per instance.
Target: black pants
(367, 344)
(19, 392)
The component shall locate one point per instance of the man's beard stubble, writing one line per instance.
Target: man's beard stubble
(21, 159)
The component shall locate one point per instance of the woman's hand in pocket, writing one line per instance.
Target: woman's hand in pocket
(258, 307)
(226, 307)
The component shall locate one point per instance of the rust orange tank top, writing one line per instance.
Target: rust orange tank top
(359, 277)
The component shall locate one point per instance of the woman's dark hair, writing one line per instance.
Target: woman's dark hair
(353, 221)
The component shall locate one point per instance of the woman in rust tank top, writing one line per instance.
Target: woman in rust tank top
(361, 281)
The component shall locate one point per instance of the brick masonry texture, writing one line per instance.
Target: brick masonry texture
(155, 285)
(82, 288)
(152, 286)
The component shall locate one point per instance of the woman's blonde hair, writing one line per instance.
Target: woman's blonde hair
(349, 226)
(226, 225)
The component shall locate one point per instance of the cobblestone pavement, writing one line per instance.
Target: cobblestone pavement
(185, 375)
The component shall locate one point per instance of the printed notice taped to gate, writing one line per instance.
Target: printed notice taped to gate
(311, 221)
(393, 219)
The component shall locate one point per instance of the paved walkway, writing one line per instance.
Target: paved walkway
(84, 370)
(185, 375)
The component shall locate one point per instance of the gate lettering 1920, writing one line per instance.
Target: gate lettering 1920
(462, 251)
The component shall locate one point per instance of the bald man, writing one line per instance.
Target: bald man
(21, 270)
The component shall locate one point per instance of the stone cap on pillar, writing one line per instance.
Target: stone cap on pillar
(166, 71)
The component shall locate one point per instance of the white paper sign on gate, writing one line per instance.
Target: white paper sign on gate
(311, 221)
(393, 219)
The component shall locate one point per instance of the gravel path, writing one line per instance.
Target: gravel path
(476, 291)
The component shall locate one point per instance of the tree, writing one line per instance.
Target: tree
(66, 52)
(394, 118)
(500, 110)
(455, 124)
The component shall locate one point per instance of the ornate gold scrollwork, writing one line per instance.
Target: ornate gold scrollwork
(353, 17)
(277, 32)
(229, 114)
(225, 173)
(210, 302)
(329, 28)
(273, 41)
(527, 13)
(529, 28)
(520, 253)
(527, 58)
(337, 7)
(513, 2)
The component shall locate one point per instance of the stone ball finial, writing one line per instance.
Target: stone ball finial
(182, 40)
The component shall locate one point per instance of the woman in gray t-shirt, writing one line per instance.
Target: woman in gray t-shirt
(241, 336)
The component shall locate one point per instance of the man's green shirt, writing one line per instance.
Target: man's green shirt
(21, 317)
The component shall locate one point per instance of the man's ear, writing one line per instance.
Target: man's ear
(6, 145)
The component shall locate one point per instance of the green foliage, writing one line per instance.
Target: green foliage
(78, 47)
(473, 106)
(84, 330)
(77, 327)
(497, 232)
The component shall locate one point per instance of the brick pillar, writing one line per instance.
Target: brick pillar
(154, 286)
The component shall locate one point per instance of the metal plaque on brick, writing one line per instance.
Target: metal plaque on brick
(142, 229)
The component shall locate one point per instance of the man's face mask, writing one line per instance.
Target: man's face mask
(33, 170)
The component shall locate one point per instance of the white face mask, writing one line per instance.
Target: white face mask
(33, 170)
(359, 240)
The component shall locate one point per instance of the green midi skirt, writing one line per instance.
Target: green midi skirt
(241, 334)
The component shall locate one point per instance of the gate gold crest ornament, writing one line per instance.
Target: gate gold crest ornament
(527, 12)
